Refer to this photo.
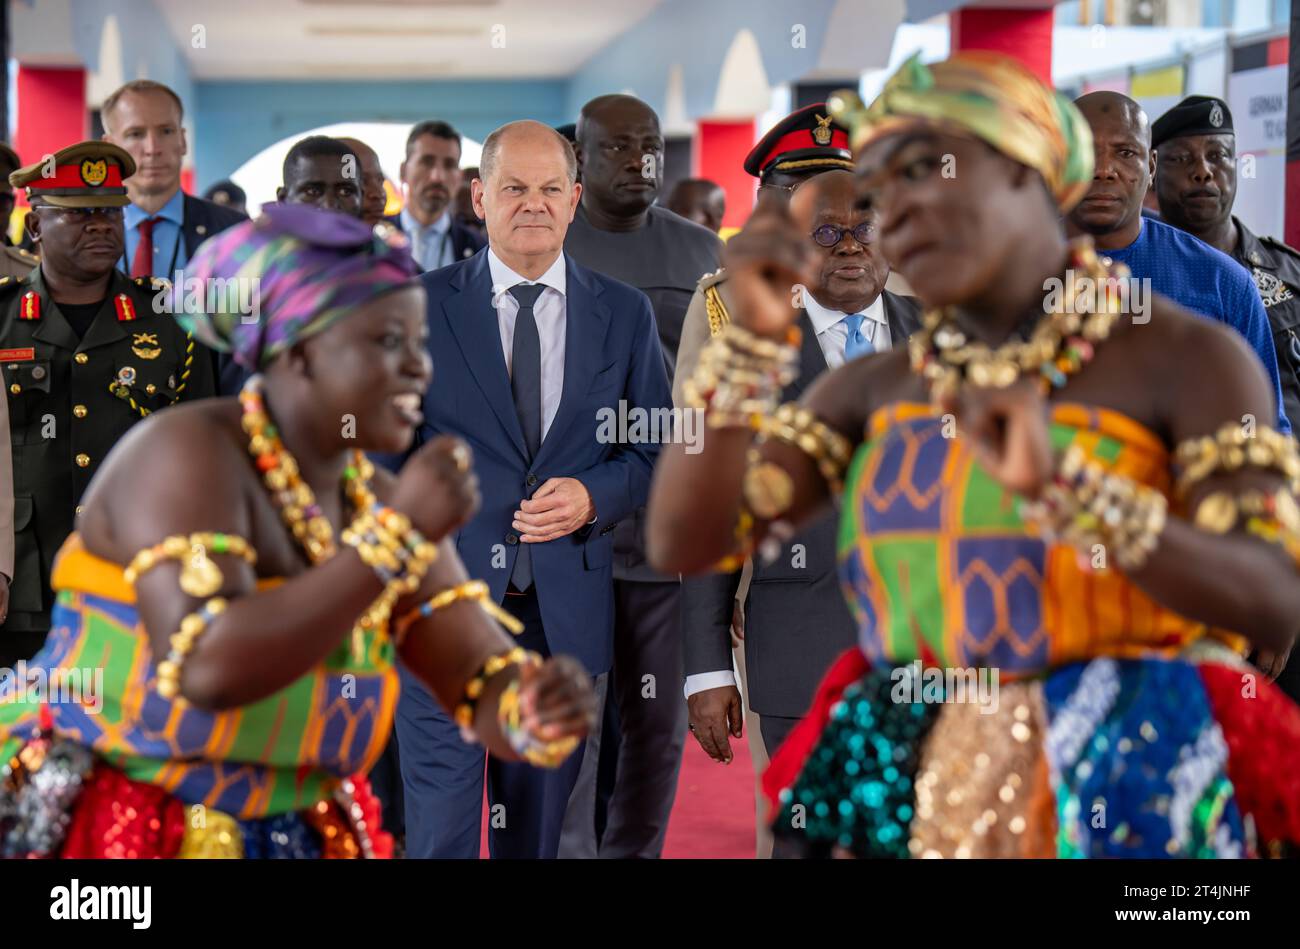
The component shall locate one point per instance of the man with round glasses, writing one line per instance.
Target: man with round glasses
(794, 623)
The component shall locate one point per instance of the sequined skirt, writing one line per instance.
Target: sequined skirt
(1197, 756)
(58, 799)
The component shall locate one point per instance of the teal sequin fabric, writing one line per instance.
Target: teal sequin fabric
(856, 790)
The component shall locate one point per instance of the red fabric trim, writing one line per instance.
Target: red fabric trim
(789, 759)
(801, 139)
(1262, 730)
(117, 817)
(69, 176)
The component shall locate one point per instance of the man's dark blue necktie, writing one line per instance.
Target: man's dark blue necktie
(526, 386)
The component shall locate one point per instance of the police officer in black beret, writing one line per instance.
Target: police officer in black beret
(85, 355)
(1196, 184)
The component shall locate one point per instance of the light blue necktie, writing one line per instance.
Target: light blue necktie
(857, 344)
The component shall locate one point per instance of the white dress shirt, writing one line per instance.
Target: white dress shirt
(431, 243)
(550, 311)
(832, 334)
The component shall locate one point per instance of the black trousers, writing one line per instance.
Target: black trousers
(646, 684)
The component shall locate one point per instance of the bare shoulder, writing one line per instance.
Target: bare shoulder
(844, 398)
(1204, 371)
(178, 471)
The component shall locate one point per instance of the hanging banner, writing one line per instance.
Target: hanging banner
(1257, 98)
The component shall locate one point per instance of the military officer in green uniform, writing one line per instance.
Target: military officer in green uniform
(805, 143)
(14, 261)
(85, 357)
(1196, 184)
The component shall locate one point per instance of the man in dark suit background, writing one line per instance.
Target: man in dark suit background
(164, 225)
(531, 350)
(431, 176)
(795, 619)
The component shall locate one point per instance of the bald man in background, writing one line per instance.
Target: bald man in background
(620, 232)
(1179, 266)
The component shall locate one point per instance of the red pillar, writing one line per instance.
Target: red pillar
(719, 154)
(51, 111)
(1023, 34)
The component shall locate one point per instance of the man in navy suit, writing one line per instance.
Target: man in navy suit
(164, 225)
(531, 351)
(431, 176)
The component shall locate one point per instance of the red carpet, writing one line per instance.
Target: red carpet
(714, 813)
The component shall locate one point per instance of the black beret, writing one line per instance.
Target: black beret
(1195, 115)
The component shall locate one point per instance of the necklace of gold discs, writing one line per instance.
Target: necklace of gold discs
(296, 501)
(1060, 344)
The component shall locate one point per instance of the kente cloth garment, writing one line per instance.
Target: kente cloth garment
(990, 97)
(1009, 699)
(302, 267)
(282, 755)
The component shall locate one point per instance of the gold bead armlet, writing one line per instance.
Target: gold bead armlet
(200, 576)
(476, 590)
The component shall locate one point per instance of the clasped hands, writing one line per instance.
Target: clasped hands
(559, 507)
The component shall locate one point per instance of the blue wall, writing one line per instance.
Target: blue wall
(236, 120)
(147, 46)
(641, 57)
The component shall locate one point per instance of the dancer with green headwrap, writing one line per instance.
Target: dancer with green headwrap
(1061, 526)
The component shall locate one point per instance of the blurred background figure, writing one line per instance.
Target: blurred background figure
(373, 196)
(14, 262)
(431, 177)
(699, 200)
(463, 212)
(229, 195)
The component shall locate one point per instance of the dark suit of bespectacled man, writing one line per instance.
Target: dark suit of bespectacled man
(531, 353)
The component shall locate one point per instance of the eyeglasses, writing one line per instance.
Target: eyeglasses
(828, 235)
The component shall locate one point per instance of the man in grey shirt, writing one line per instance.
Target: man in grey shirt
(619, 232)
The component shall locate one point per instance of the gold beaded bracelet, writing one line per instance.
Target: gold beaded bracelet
(798, 426)
(1272, 516)
(540, 754)
(200, 576)
(1087, 505)
(168, 681)
(1230, 448)
(476, 590)
(739, 376)
(464, 712)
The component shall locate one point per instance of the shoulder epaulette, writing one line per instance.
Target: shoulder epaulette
(1280, 245)
(709, 279)
(714, 307)
(155, 283)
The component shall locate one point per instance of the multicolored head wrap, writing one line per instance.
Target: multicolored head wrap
(991, 97)
(257, 288)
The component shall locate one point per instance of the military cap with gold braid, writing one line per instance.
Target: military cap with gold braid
(85, 175)
(805, 140)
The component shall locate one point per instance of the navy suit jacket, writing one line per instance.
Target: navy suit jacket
(611, 353)
(203, 219)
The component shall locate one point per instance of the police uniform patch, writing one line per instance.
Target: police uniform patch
(1272, 290)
